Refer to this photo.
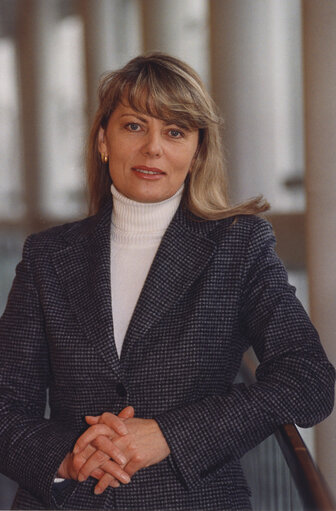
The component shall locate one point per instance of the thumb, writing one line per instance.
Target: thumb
(127, 413)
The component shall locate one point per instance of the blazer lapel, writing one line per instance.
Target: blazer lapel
(83, 269)
(180, 259)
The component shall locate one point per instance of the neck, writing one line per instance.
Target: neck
(142, 221)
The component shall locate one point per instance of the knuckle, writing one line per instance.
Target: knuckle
(103, 431)
(137, 458)
(90, 433)
(132, 446)
(99, 441)
(97, 428)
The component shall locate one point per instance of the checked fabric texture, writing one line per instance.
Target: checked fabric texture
(214, 289)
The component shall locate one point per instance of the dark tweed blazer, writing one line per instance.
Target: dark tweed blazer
(214, 288)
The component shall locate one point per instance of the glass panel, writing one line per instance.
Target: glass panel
(299, 279)
(10, 254)
(269, 478)
(8, 490)
(11, 205)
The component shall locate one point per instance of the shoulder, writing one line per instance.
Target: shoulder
(244, 229)
(242, 226)
(60, 236)
(235, 234)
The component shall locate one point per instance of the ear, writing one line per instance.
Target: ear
(102, 141)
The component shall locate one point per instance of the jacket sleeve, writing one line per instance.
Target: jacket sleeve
(295, 381)
(31, 447)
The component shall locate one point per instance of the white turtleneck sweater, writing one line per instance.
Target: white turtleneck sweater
(136, 232)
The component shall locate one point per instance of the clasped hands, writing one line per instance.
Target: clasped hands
(114, 448)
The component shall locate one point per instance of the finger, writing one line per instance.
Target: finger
(99, 473)
(78, 460)
(104, 444)
(114, 422)
(114, 469)
(98, 460)
(127, 413)
(90, 419)
(104, 482)
(94, 462)
(114, 483)
(91, 434)
(132, 467)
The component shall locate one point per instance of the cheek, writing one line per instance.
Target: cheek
(190, 154)
(114, 150)
(120, 153)
(181, 159)
(185, 162)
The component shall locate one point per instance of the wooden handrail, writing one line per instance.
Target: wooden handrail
(311, 486)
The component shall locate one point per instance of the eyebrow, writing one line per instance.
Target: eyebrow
(134, 114)
(143, 119)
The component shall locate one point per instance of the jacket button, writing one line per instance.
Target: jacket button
(121, 390)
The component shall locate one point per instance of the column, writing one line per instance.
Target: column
(256, 77)
(319, 21)
(112, 36)
(32, 46)
(179, 28)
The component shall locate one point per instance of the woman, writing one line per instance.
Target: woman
(137, 326)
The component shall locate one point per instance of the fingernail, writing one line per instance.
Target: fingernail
(75, 449)
(122, 460)
(125, 478)
(97, 490)
(81, 478)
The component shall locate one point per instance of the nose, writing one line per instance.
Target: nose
(152, 145)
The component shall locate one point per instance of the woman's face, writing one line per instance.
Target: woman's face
(148, 158)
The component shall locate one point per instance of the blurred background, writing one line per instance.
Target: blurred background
(269, 64)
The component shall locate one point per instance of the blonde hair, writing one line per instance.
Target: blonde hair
(165, 87)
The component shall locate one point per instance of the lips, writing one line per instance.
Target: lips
(148, 171)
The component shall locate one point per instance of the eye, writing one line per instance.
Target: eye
(133, 126)
(175, 133)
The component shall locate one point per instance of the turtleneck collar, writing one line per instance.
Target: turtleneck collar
(141, 222)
